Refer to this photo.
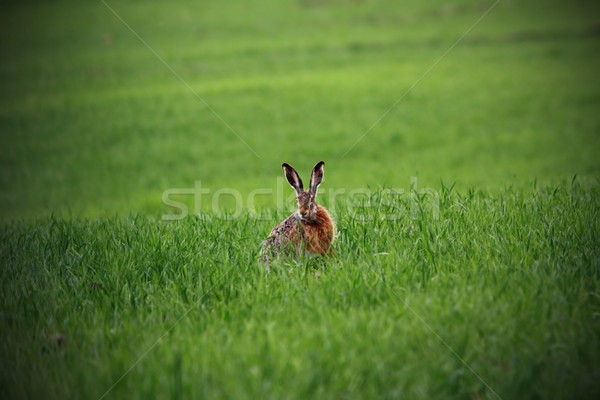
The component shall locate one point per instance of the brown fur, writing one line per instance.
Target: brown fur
(296, 236)
(319, 233)
(310, 230)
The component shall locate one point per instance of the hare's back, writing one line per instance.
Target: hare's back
(288, 228)
(281, 236)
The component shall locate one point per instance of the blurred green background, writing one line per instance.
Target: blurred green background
(92, 123)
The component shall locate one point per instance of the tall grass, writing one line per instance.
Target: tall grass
(490, 296)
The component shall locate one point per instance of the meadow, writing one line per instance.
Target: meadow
(477, 279)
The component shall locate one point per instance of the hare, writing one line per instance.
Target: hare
(310, 230)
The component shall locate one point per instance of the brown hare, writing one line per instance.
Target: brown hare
(309, 230)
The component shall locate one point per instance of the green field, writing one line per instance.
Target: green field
(477, 277)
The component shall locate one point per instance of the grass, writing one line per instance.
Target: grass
(95, 125)
(492, 296)
(484, 289)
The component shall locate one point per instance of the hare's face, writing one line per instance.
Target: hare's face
(307, 207)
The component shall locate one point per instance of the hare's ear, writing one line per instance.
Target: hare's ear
(292, 177)
(316, 177)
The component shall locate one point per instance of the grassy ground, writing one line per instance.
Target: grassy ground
(489, 297)
(486, 290)
(94, 124)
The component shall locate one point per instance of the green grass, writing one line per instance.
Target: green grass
(507, 283)
(489, 289)
(94, 124)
